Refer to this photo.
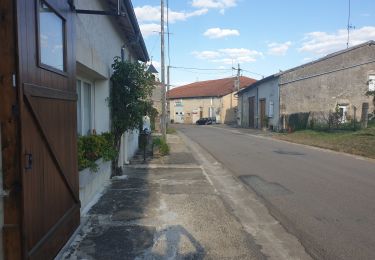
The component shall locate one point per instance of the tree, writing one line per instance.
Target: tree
(131, 88)
(372, 94)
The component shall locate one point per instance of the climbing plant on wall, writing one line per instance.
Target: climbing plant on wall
(129, 97)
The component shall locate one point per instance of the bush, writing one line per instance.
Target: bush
(298, 121)
(161, 145)
(93, 147)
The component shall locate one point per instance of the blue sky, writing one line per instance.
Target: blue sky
(263, 36)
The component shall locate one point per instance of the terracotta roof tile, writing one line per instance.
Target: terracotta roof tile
(209, 88)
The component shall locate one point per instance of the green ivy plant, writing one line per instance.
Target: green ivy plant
(129, 99)
(93, 147)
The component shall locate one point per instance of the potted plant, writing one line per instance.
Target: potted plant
(265, 122)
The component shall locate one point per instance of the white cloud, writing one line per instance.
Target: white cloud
(215, 4)
(322, 43)
(149, 13)
(229, 55)
(278, 49)
(307, 59)
(209, 55)
(215, 33)
(149, 29)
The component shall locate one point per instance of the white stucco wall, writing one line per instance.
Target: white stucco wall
(98, 41)
(99, 36)
(102, 120)
(129, 146)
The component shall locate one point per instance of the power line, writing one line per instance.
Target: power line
(252, 72)
(189, 68)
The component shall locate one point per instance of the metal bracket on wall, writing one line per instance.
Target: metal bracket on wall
(110, 13)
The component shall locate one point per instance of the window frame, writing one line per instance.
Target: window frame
(371, 82)
(38, 42)
(82, 104)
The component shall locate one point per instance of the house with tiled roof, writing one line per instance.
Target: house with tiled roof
(212, 98)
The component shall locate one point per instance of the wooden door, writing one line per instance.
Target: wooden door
(47, 99)
(262, 112)
(251, 112)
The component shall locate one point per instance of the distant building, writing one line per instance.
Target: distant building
(259, 104)
(337, 81)
(212, 98)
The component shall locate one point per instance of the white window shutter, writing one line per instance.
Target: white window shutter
(371, 83)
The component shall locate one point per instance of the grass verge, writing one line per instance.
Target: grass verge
(161, 145)
(171, 131)
(361, 142)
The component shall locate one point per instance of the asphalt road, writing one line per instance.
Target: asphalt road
(324, 198)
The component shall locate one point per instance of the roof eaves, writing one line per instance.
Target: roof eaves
(331, 55)
(138, 34)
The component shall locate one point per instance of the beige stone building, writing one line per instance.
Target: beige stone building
(213, 98)
(338, 79)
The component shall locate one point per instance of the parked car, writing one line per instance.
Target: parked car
(204, 121)
(213, 119)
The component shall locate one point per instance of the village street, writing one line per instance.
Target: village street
(322, 197)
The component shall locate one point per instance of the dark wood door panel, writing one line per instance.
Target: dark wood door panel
(44, 204)
(47, 100)
(52, 135)
(251, 112)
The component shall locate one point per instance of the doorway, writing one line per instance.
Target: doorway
(262, 104)
(251, 112)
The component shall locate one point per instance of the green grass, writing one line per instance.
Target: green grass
(161, 145)
(171, 131)
(360, 142)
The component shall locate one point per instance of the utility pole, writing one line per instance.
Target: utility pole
(238, 78)
(237, 86)
(163, 119)
(168, 88)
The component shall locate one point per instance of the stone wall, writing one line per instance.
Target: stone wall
(338, 79)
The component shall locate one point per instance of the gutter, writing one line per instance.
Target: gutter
(138, 34)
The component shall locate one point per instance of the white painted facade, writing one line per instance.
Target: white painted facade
(99, 40)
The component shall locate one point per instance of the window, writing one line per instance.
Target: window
(84, 107)
(79, 112)
(51, 37)
(343, 109)
(371, 83)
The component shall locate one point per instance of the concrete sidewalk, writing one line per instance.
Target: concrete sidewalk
(166, 211)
